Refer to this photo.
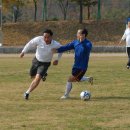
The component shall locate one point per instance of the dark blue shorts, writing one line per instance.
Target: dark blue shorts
(78, 73)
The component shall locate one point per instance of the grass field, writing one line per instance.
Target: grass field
(108, 108)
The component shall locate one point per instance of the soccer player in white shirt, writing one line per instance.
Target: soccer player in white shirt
(42, 60)
(127, 37)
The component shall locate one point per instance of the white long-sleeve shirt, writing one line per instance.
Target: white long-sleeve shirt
(43, 50)
(127, 37)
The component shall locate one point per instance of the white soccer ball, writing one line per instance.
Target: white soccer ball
(85, 95)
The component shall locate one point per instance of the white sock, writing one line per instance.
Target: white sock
(68, 88)
(28, 91)
(85, 78)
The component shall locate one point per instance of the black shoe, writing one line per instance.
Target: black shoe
(128, 67)
(26, 96)
(44, 77)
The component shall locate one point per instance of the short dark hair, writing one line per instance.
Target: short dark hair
(85, 31)
(48, 31)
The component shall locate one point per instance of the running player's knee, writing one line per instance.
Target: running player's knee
(71, 79)
(37, 78)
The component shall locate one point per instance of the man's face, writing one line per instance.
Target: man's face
(80, 36)
(128, 24)
(47, 38)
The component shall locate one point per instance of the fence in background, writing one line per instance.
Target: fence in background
(96, 49)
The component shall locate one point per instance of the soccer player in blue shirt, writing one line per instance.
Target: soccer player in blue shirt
(82, 48)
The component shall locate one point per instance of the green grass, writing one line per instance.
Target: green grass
(108, 108)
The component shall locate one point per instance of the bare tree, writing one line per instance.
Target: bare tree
(63, 4)
(15, 5)
(87, 3)
(81, 11)
(44, 10)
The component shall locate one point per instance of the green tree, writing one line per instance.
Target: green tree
(99, 10)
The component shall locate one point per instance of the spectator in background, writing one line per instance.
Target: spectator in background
(126, 37)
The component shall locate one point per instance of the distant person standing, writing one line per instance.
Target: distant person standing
(126, 37)
(42, 60)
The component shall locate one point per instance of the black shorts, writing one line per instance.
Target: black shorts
(39, 67)
(78, 73)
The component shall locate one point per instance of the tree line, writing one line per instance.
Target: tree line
(16, 5)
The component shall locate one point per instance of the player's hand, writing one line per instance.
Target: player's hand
(54, 50)
(55, 62)
(21, 55)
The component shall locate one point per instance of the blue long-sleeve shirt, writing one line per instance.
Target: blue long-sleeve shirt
(82, 51)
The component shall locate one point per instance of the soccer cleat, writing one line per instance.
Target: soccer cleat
(26, 96)
(91, 80)
(128, 67)
(65, 97)
(44, 77)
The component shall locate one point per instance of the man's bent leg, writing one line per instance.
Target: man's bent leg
(89, 79)
(68, 87)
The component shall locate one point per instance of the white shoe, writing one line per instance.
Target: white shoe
(91, 80)
(128, 67)
(64, 97)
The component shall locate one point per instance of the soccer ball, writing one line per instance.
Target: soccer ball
(85, 95)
